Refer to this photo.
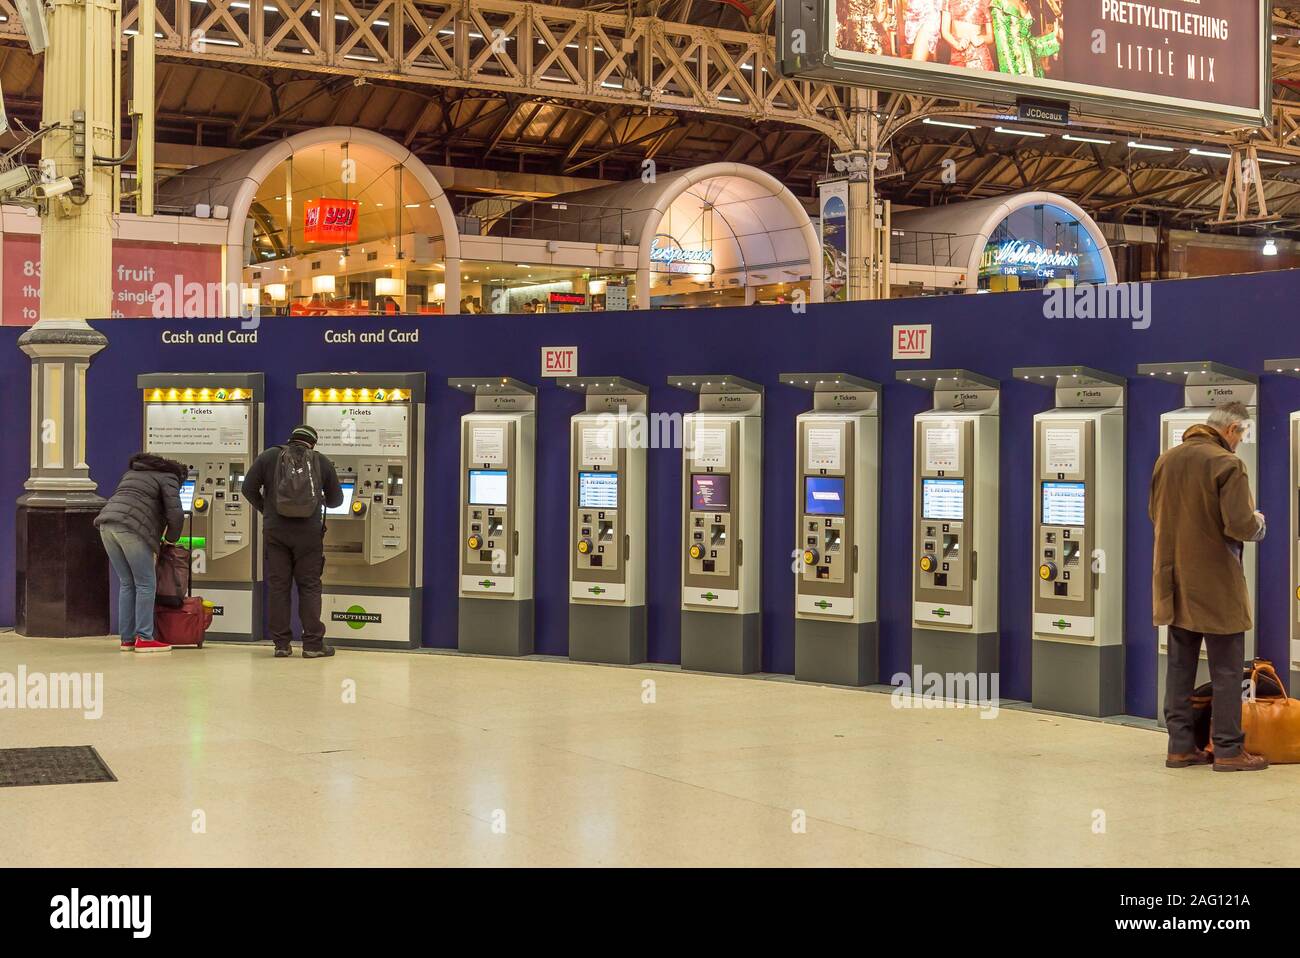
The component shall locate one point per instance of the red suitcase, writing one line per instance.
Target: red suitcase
(184, 624)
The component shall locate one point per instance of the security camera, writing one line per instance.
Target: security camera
(15, 180)
(57, 187)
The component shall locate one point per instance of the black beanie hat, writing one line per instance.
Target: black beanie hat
(303, 433)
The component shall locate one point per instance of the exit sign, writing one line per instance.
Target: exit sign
(559, 360)
(912, 342)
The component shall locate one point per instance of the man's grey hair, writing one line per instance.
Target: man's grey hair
(1227, 415)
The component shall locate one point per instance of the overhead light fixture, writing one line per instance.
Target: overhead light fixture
(1197, 151)
(1135, 145)
(251, 295)
(277, 291)
(1270, 247)
(1086, 139)
(1269, 159)
(438, 293)
(323, 283)
(1010, 132)
(390, 286)
(952, 123)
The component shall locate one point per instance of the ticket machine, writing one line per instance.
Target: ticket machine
(1078, 569)
(837, 507)
(1291, 367)
(722, 500)
(955, 523)
(497, 455)
(1206, 385)
(212, 423)
(371, 426)
(607, 517)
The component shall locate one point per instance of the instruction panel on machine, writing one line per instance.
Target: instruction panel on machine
(210, 427)
(943, 448)
(359, 430)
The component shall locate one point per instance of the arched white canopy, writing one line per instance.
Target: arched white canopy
(234, 182)
(769, 225)
(970, 226)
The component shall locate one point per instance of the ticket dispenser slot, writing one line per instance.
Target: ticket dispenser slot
(721, 510)
(496, 549)
(371, 426)
(836, 482)
(607, 509)
(1206, 385)
(955, 523)
(1077, 583)
(212, 423)
(1291, 367)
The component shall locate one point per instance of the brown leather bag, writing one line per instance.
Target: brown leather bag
(1272, 724)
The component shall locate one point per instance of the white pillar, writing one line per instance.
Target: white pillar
(451, 282)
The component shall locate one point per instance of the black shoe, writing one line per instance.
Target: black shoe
(283, 653)
(322, 653)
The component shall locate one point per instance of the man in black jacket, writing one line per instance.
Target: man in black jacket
(295, 548)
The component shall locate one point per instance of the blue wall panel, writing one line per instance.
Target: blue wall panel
(1237, 320)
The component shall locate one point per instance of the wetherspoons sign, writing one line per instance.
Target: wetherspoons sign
(667, 255)
(1026, 256)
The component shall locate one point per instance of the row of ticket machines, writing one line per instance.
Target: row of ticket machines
(372, 427)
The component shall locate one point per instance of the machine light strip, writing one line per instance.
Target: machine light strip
(379, 394)
(205, 394)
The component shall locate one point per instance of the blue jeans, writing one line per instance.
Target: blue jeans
(133, 561)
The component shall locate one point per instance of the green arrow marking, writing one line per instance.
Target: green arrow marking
(941, 613)
(487, 583)
(596, 590)
(823, 605)
(1061, 624)
(707, 596)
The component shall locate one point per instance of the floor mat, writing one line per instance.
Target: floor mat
(63, 765)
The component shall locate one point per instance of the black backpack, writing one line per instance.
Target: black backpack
(297, 482)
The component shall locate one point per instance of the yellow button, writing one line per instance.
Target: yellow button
(475, 542)
(808, 557)
(584, 547)
(1044, 572)
(358, 506)
(696, 552)
(926, 563)
(200, 503)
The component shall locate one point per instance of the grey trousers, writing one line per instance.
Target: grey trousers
(1227, 655)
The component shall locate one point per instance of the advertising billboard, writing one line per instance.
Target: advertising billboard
(1200, 64)
(330, 221)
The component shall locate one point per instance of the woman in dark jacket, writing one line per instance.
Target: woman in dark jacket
(145, 509)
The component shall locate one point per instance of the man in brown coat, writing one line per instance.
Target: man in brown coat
(1203, 511)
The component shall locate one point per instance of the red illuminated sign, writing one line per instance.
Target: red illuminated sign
(568, 299)
(331, 221)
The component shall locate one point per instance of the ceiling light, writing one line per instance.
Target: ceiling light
(1270, 247)
(1135, 145)
(951, 123)
(1197, 151)
(1010, 132)
(1086, 139)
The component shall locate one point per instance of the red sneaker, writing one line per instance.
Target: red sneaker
(151, 645)
(128, 645)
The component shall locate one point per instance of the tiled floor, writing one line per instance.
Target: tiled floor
(226, 756)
